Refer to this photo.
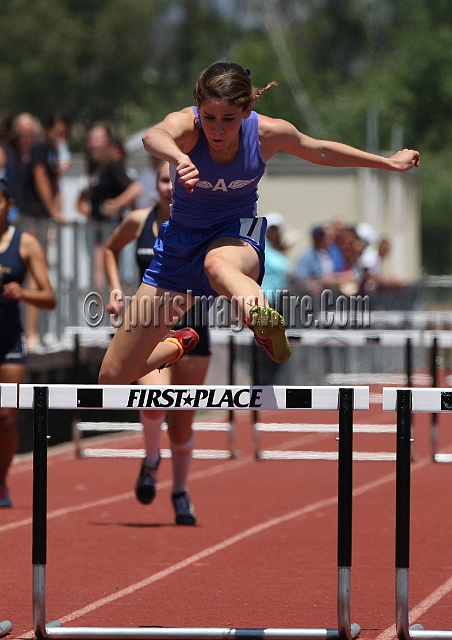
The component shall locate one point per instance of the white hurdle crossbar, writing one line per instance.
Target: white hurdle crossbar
(8, 400)
(277, 454)
(405, 402)
(42, 398)
(123, 427)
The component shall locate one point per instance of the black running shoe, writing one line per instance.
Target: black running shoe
(183, 508)
(145, 487)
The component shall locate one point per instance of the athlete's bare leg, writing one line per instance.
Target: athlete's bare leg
(232, 266)
(137, 347)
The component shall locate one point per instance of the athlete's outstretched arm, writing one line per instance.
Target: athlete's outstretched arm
(279, 135)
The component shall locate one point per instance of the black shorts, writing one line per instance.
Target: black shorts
(13, 347)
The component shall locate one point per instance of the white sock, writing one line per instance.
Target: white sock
(151, 432)
(181, 459)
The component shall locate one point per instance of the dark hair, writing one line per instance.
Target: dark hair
(6, 123)
(227, 81)
(100, 124)
(54, 118)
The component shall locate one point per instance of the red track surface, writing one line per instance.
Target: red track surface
(264, 553)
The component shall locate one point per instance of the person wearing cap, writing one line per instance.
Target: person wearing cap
(20, 254)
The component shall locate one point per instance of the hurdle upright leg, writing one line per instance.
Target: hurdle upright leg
(39, 545)
(403, 510)
(403, 490)
(344, 526)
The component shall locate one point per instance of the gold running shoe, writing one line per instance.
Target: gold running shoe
(269, 331)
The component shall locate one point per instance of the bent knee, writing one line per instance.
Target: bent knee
(214, 267)
(109, 374)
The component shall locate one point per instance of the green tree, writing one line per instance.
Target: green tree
(83, 58)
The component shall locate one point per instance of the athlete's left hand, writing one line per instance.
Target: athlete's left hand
(405, 160)
(12, 291)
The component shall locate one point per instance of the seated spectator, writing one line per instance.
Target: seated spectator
(317, 267)
(372, 264)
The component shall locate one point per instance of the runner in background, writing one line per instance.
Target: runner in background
(142, 226)
(20, 253)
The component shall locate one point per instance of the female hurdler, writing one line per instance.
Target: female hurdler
(213, 243)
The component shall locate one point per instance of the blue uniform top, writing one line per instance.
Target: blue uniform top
(12, 269)
(224, 192)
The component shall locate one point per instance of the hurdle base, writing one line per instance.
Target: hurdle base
(5, 627)
(169, 633)
(425, 634)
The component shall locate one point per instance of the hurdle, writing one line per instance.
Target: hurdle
(405, 402)
(41, 399)
(341, 338)
(8, 399)
(104, 335)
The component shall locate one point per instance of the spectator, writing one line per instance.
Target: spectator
(8, 158)
(20, 252)
(277, 266)
(334, 233)
(317, 267)
(108, 194)
(40, 197)
(276, 278)
(372, 265)
(143, 225)
(26, 132)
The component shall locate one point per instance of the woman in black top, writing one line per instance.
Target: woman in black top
(109, 194)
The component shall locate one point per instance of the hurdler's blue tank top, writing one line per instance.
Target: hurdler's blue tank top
(224, 192)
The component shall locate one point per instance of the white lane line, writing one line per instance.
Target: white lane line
(197, 475)
(321, 504)
(420, 609)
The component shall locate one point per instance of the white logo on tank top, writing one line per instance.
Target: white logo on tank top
(221, 184)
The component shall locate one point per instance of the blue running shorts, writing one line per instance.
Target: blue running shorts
(179, 253)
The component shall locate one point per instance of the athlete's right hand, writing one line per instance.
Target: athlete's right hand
(188, 173)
